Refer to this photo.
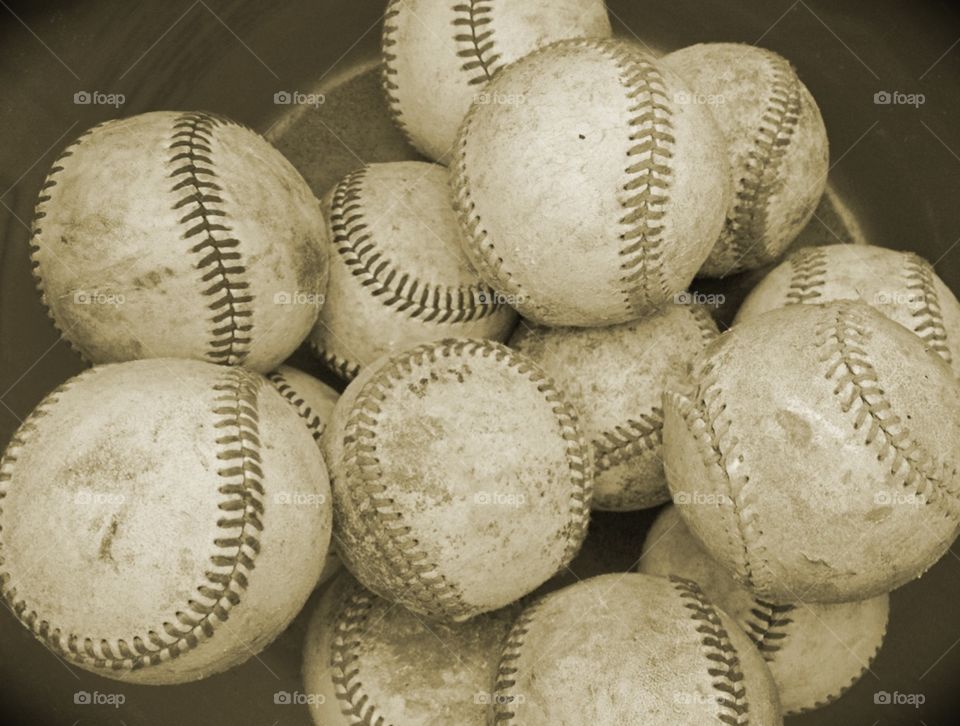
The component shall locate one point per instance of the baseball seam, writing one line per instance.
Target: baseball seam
(808, 275)
(705, 322)
(344, 660)
(409, 566)
(204, 216)
(345, 369)
(648, 177)
(508, 666)
(478, 42)
(929, 316)
(718, 445)
(629, 440)
(860, 392)
(242, 493)
(356, 243)
(40, 211)
(389, 70)
(724, 665)
(313, 421)
(766, 624)
(748, 223)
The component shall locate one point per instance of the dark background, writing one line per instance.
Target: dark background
(896, 166)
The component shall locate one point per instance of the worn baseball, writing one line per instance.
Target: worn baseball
(814, 452)
(313, 400)
(901, 285)
(460, 477)
(777, 145)
(616, 378)
(182, 235)
(162, 520)
(631, 649)
(630, 187)
(366, 660)
(815, 651)
(398, 276)
(438, 57)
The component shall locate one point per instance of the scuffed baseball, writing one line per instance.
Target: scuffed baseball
(815, 651)
(398, 276)
(460, 476)
(631, 649)
(814, 453)
(598, 198)
(367, 660)
(179, 235)
(901, 285)
(439, 56)
(313, 400)
(616, 378)
(162, 520)
(777, 142)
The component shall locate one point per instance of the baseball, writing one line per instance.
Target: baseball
(448, 461)
(616, 378)
(805, 455)
(650, 651)
(180, 493)
(901, 285)
(398, 276)
(313, 400)
(180, 235)
(815, 651)
(438, 57)
(368, 661)
(777, 143)
(598, 198)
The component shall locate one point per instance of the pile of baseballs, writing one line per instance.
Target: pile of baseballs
(510, 320)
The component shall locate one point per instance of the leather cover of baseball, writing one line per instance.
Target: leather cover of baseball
(162, 520)
(631, 649)
(616, 378)
(181, 235)
(814, 453)
(460, 476)
(369, 661)
(815, 651)
(398, 276)
(901, 285)
(777, 141)
(589, 195)
(439, 56)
